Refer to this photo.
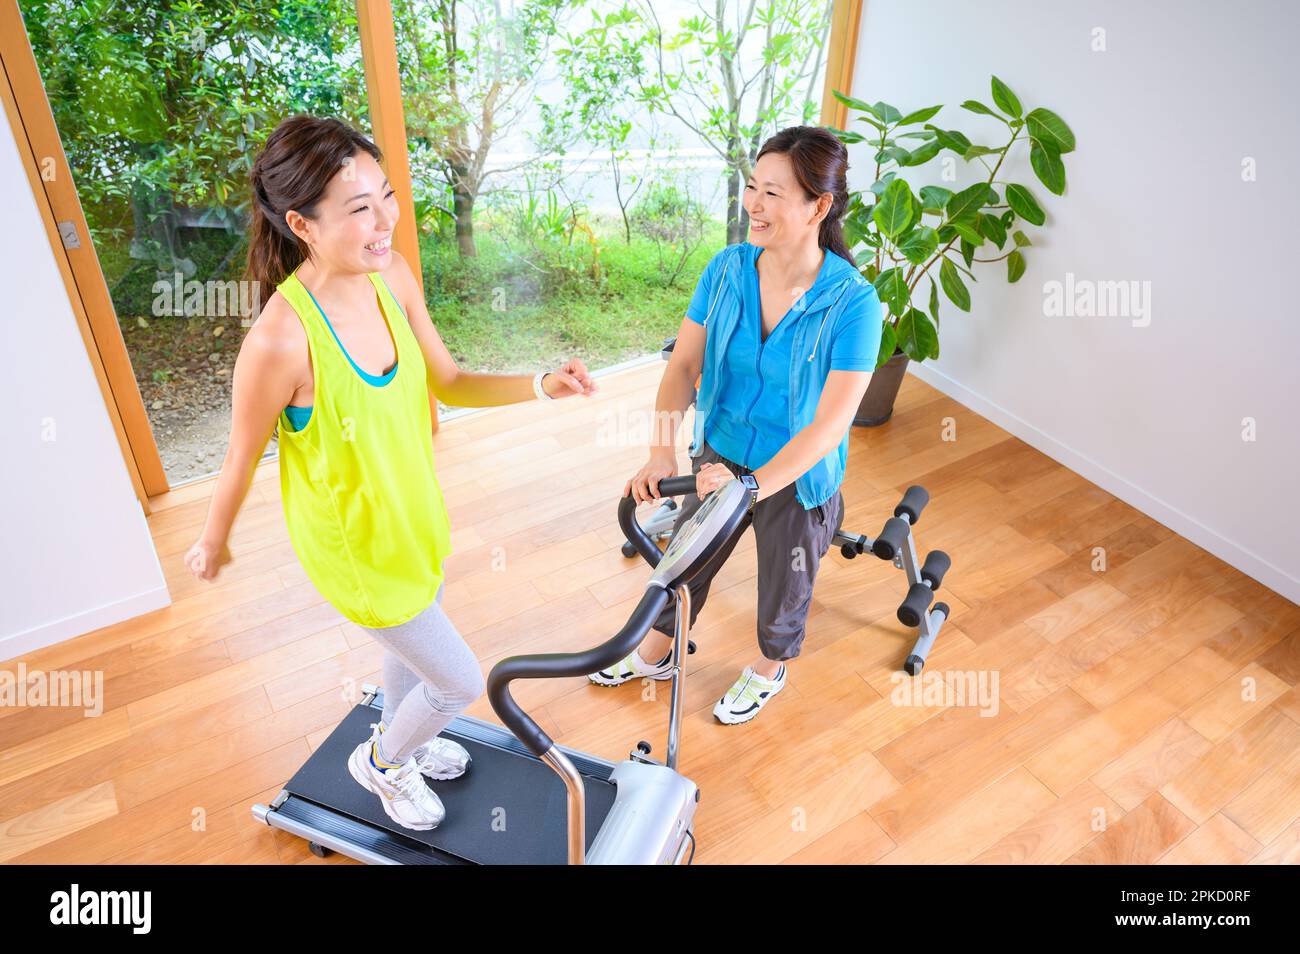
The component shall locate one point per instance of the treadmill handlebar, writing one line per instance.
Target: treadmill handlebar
(668, 487)
(554, 665)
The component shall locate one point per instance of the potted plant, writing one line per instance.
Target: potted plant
(918, 242)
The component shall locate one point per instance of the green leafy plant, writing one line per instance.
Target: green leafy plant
(164, 105)
(539, 217)
(912, 235)
(674, 220)
(434, 203)
(548, 227)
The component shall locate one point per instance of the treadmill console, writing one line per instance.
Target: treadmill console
(719, 517)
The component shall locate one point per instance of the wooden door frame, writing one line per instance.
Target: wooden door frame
(388, 123)
(41, 150)
(841, 60)
(387, 117)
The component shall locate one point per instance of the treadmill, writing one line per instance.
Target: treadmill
(524, 799)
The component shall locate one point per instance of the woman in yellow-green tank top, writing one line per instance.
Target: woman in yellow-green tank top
(362, 503)
(361, 500)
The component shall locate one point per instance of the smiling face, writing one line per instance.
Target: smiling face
(352, 230)
(779, 212)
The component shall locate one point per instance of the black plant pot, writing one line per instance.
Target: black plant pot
(878, 403)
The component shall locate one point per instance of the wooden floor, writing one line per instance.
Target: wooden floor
(1146, 712)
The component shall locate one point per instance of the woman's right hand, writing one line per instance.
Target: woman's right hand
(205, 558)
(644, 485)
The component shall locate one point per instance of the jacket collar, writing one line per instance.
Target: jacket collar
(826, 289)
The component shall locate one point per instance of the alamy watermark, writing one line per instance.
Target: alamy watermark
(177, 298)
(955, 687)
(622, 426)
(78, 906)
(57, 689)
(1085, 298)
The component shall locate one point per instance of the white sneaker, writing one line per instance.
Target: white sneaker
(438, 758)
(632, 666)
(406, 797)
(747, 695)
(441, 758)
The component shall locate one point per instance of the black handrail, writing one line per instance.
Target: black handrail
(555, 665)
(668, 487)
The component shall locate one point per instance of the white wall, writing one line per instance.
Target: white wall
(1164, 118)
(77, 554)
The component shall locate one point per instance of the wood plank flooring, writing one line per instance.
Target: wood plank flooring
(1147, 702)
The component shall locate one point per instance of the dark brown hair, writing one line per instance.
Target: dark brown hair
(821, 164)
(292, 171)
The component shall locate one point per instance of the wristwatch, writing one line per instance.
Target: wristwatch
(751, 483)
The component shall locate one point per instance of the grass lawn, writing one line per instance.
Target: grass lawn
(516, 307)
(519, 309)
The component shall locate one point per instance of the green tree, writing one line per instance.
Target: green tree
(699, 75)
(469, 69)
(600, 67)
(163, 105)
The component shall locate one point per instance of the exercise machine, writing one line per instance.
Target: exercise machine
(525, 799)
(897, 545)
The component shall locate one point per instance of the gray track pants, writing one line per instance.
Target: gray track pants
(430, 677)
(791, 542)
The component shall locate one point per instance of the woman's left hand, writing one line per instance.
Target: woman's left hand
(710, 478)
(571, 378)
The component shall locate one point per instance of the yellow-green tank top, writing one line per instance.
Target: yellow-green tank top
(362, 503)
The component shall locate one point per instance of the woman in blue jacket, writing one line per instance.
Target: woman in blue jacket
(783, 333)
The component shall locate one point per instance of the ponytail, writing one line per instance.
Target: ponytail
(831, 234)
(273, 250)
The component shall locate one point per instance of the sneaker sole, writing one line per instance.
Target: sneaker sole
(596, 681)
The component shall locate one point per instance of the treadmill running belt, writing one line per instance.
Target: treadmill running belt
(508, 808)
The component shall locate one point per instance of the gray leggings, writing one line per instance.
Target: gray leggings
(430, 677)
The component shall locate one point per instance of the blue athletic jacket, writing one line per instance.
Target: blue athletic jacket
(840, 287)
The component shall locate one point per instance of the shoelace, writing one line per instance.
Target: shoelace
(750, 693)
(406, 778)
